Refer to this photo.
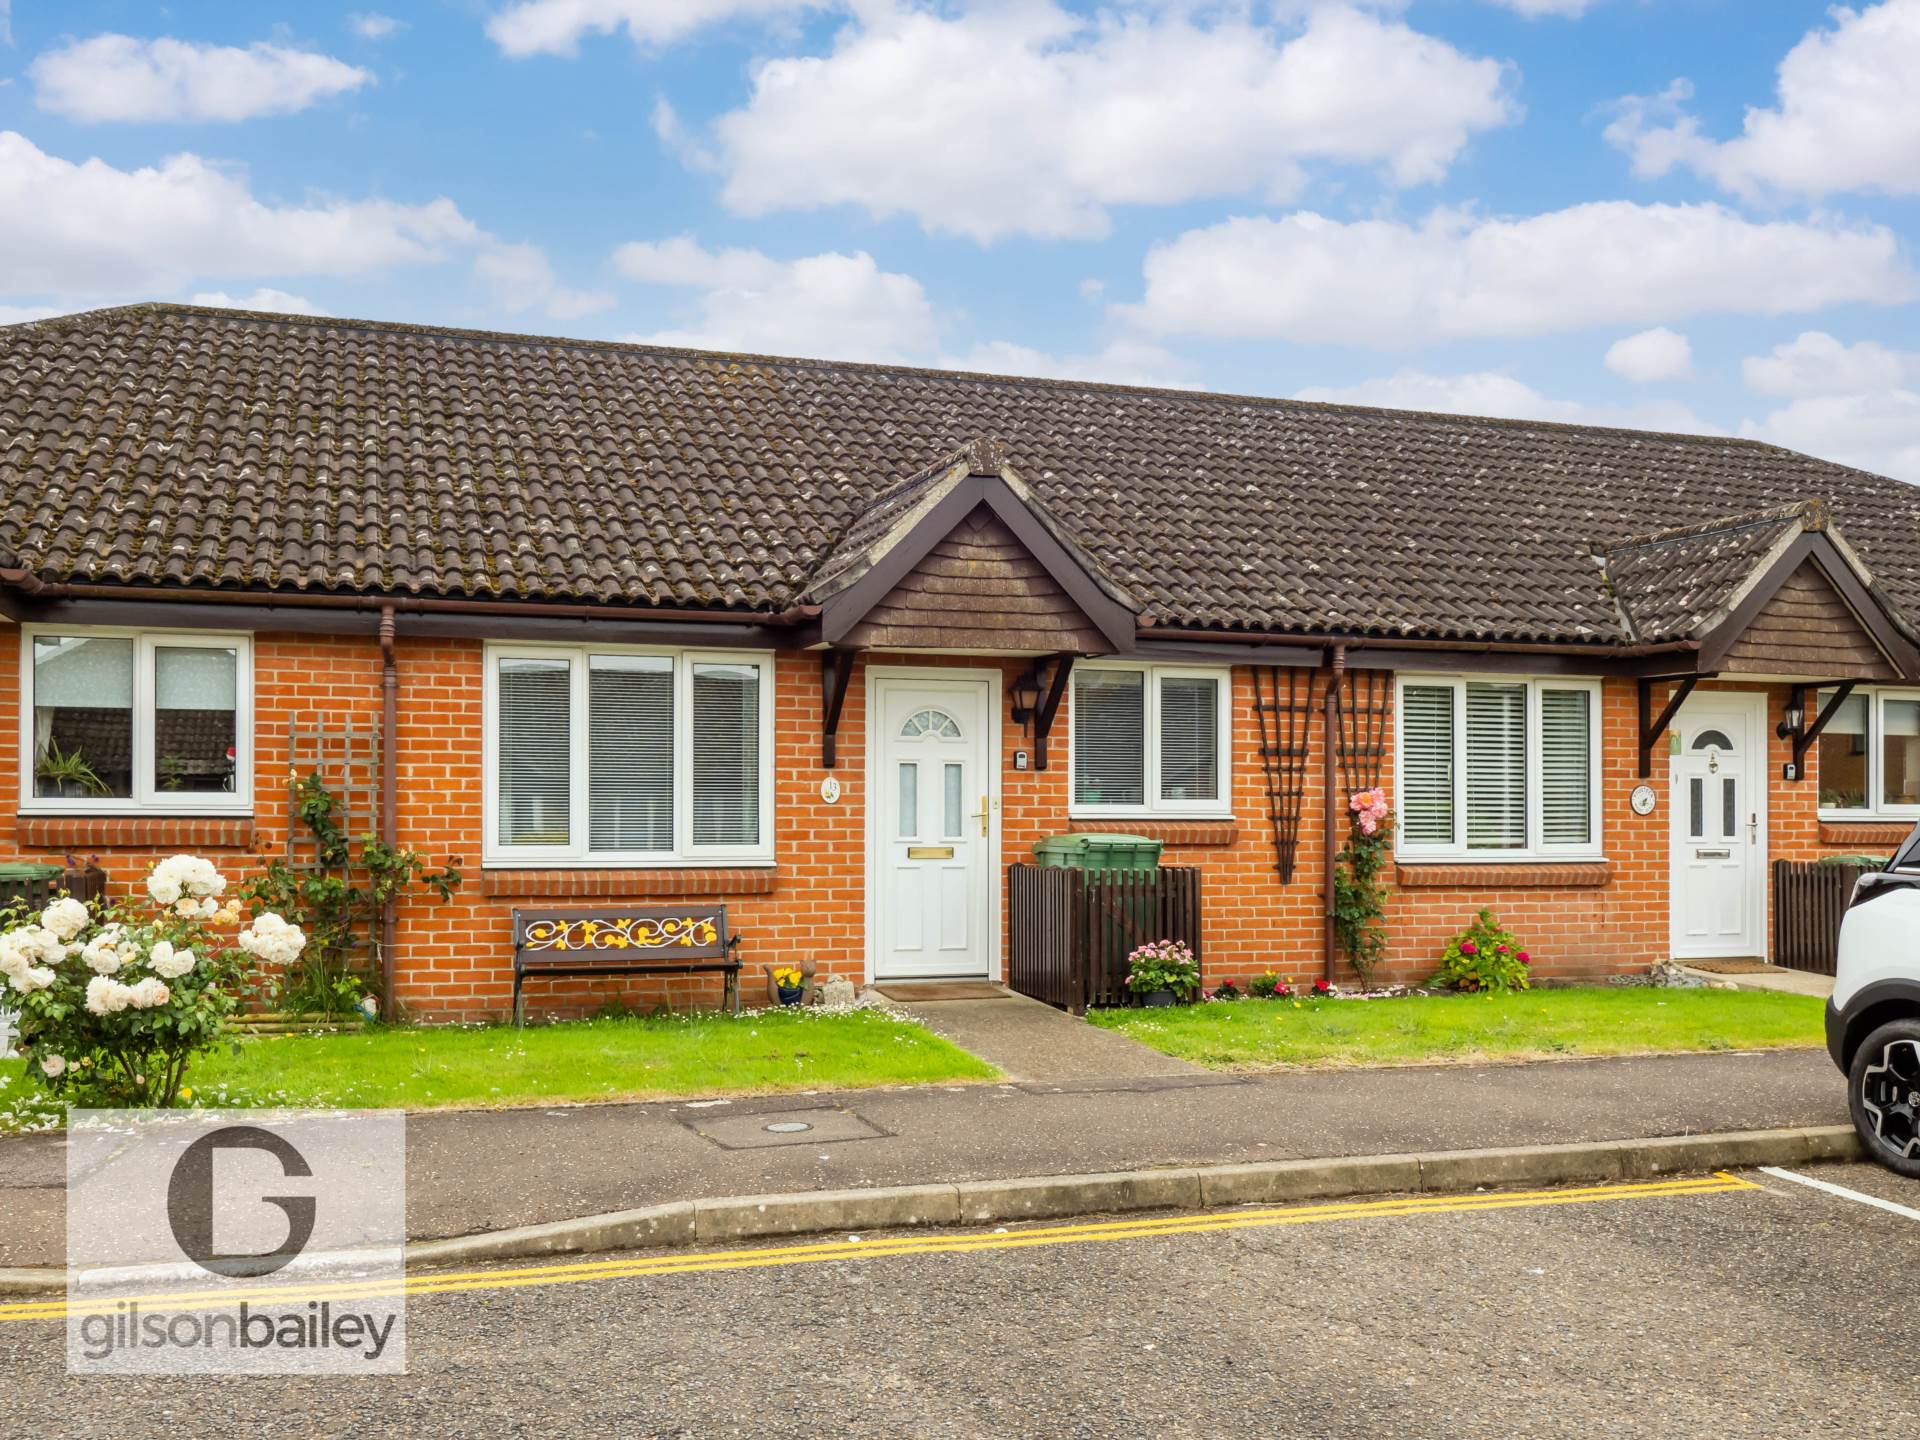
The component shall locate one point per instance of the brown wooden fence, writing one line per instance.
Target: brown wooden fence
(1809, 900)
(1070, 931)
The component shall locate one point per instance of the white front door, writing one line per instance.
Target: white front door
(932, 829)
(1719, 808)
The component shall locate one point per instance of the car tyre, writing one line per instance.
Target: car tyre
(1883, 1091)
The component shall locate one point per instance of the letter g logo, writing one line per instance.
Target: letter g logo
(190, 1203)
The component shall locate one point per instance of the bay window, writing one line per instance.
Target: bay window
(1870, 754)
(1149, 740)
(605, 754)
(1498, 768)
(121, 721)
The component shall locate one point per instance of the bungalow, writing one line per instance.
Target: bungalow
(837, 643)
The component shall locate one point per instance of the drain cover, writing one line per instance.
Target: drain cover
(814, 1125)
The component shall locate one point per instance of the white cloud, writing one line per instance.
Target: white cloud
(1126, 361)
(1652, 355)
(93, 229)
(369, 25)
(1027, 119)
(555, 27)
(277, 302)
(1845, 118)
(1858, 404)
(1501, 396)
(829, 306)
(1389, 284)
(1539, 9)
(1814, 363)
(116, 77)
(1878, 430)
(521, 278)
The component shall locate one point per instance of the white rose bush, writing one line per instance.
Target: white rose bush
(115, 1001)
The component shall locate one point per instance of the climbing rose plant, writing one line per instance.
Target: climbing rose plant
(1485, 956)
(116, 1001)
(1359, 895)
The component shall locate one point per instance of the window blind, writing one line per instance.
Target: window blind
(1426, 764)
(1496, 791)
(630, 752)
(1189, 738)
(1109, 737)
(726, 755)
(535, 783)
(1566, 767)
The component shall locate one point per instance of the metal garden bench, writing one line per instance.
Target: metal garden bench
(603, 940)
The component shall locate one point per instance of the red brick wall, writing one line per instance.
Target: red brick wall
(454, 960)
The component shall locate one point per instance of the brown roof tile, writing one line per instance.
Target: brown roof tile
(172, 444)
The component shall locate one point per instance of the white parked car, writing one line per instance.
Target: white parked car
(1873, 1020)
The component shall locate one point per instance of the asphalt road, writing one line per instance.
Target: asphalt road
(1754, 1307)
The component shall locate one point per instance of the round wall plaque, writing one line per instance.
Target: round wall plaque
(1643, 799)
(830, 790)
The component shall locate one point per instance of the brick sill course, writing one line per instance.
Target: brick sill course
(1170, 832)
(1863, 832)
(622, 884)
(1551, 875)
(112, 832)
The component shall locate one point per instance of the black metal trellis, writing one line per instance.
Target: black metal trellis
(1364, 705)
(345, 754)
(1285, 717)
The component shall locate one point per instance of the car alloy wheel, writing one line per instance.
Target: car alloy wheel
(1890, 1096)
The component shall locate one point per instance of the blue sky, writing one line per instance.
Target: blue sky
(1693, 214)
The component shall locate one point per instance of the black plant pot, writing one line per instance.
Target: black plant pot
(1159, 998)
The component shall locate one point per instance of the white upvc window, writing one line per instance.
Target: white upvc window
(120, 721)
(614, 755)
(1870, 754)
(1150, 740)
(1497, 768)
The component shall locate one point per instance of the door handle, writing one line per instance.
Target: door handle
(983, 817)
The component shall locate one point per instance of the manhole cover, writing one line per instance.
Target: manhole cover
(817, 1125)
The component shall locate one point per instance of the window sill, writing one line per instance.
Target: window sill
(1180, 817)
(1215, 830)
(124, 831)
(1867, 830)
(543, 882)
(1533, 874)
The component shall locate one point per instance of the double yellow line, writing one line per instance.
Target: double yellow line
(433, 1282)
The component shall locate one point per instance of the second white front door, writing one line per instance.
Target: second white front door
(933, 828)
(1719, 798)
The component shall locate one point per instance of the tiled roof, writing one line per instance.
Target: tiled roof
(187, 446)
(1672, 584)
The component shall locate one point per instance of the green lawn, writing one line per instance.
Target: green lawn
(1416, 1029)
(625, 1059)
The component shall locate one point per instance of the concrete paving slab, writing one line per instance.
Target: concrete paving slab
(1774, 977)
(1032, 1041)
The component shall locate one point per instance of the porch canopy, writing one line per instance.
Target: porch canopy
(964, 558)
(1776, 595)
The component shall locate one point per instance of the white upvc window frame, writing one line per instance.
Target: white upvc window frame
(1536, 849)
(147, 798)
(1156, 808)
(1876, 807)
(577, 855)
